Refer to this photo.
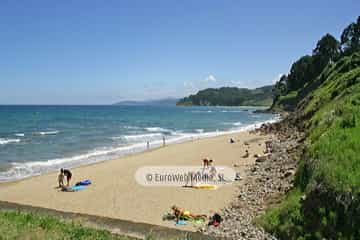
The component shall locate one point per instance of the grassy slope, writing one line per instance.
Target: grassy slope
(329, 173)
(18, 225)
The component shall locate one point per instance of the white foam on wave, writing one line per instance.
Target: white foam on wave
(4, 141)
(46, 133)
(232, 111)
(157, 129)
(20, 134)
(28, 169)
(139, 137)
(237, 123)
(130, 127)
(201, 111)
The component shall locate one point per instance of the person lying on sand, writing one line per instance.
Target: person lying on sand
(67, 173)
(181, 213)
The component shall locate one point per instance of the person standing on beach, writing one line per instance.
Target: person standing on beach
(61, 179)
(67, 173)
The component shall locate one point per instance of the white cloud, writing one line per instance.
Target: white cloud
(210, 78)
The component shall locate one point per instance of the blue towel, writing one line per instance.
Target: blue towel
(181, 222)
(83, 183)
(77, 188)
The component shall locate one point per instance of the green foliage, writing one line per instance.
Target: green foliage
(329, 170)
(284, 221)
(301, 72)
(327, 50)
(350, 38)
(230, 96)
(19, 225)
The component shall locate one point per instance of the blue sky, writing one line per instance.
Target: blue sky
(100, 52)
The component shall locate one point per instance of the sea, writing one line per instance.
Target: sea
(39, 139)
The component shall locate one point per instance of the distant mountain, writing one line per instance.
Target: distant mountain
(230, 96)
(162, 102)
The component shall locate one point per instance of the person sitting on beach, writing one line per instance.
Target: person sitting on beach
(61, 179)
(180, 213)
(246, 154)
(68, 174)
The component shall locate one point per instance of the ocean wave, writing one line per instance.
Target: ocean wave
(232, 111)
(46, 133)
(4, 141)
(130, 127)
(201, 111)
(140, 137)
(28, 169)
(200, 130)
(237, 123)
(157, 129)
(20, 134)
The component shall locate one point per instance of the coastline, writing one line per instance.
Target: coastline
(113, 181)
(97, 156)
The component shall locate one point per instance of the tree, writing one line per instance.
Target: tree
(327, 50)
(350, 38)
(301, 72)
(280, 87)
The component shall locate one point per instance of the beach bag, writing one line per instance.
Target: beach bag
(215, 220)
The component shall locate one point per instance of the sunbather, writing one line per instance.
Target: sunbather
(180, 213)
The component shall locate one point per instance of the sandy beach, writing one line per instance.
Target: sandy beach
(116, 194)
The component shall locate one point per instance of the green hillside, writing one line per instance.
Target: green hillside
(325, 104)
(230, 96)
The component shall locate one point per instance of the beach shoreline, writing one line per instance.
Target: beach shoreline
(115, 193)
(137, 148)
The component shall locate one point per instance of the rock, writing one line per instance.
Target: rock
(261, 159)
(288, 173)
(269, 176)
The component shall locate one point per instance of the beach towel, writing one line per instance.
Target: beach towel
(77, 188)
(72, 188)
(181, 222)
(205, 186)
(198, 221)
(83, 183)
